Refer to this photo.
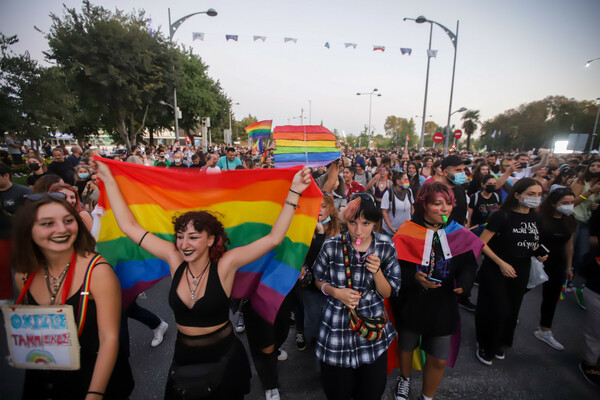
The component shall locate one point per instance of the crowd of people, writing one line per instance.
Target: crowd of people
(401, 239)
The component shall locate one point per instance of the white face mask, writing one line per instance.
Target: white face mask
(566, 209)
(531, 202)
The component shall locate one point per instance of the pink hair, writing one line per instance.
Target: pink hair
(431, 191)
(57, 187)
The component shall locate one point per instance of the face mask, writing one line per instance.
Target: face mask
(531, 202)
(490, 188)
(409, 174)
(595, 174)
(34, 166)
(566, 209)
(458, 179)
(406, 184)
(178, 160)
(83, 176)
(326, 220)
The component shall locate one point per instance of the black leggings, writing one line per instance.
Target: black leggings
(551, 292)
(363, 383)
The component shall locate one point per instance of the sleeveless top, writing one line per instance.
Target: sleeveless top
(378, 192)
(209, 310)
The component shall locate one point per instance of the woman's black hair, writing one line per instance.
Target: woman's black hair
(486, 178)
(519, 187)
(549, 205)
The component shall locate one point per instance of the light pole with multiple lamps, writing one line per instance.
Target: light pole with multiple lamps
(230, 131)
(587, 64)
(172, 28)
(454, 39)
(370, 108)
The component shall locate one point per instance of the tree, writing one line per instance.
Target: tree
(399, 129)
(470, 120)
(120, 68)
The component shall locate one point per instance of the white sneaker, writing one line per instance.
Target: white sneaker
(546, 337)
(272, 394)
(159, 333)
(282, 355)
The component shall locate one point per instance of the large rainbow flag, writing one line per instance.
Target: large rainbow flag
(311, 145)
(413, 242)
(260, 129)
(247, 202)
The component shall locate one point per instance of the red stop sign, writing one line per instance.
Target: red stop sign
(457, 134)
(438, 137)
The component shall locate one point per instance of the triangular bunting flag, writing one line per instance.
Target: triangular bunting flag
(353, 45)
(231, 37)
(405, 50)
(263, 38)
(432, 53)
(197, 35)
(289, 39)
(327, 45)
(380, 48)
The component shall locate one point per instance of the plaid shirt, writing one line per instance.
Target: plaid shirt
(337, 345)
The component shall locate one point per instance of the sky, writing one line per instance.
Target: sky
(510, 52)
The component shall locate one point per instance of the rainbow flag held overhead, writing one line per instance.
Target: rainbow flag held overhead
(247, 202)
(311, 145)
(413, 242)
(260, 129)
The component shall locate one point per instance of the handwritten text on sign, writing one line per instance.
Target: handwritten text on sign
(42, 337)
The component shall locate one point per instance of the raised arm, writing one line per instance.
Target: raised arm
(156, 246)
(240, 256)
(332, 177)
(545, 154)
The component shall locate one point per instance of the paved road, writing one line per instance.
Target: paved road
(531, 370)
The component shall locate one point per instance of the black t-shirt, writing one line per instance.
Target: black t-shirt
(10, 201)
(516, 234)
(482, 207)
(33, 178)
(459, 212)
(199, 165)
(64, 170)
(182, 165)
(554, 235)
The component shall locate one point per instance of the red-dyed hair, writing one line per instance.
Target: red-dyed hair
(207, 222)
(429, 192)
(57, 187)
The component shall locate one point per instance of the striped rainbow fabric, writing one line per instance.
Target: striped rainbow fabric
(311, 145)
(260, 129)
(247, 202)
(413, 242)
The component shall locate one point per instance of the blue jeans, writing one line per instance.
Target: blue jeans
(581, 245)
(313, 308)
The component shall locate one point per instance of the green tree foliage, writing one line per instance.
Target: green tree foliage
(399, 129)
(120, 68)
(470, 124)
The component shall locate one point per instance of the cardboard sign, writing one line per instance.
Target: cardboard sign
(42, 337)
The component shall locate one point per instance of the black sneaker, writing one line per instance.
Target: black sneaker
(467, 305)
(300, 341)
(499, 354)
(483, 356)
(402, 388)
(590, 373)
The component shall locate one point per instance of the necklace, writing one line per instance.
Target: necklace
(53, 284)
(192, 287)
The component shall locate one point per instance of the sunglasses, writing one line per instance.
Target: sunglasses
(364, 196)
(39, 196)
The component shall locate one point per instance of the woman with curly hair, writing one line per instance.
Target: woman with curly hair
(203, 271)
(73, 199)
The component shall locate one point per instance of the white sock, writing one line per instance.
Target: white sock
(426, 398)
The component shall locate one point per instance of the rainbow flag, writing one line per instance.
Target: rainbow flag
(311, 145)
(563, 291)
(413, 242)
(247, 202)
(260, 129)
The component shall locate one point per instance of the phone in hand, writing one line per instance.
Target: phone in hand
(541, 251)
(429, 278)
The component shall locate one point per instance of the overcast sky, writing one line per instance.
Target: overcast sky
(509, 52)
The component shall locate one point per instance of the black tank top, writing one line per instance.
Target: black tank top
(210, 310)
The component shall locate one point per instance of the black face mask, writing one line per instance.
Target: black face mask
(34, 167)
(595, 174)
(490, 188)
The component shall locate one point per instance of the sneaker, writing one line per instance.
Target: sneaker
(467, 305)
(483, 356)
(402, 388)
(546, 337)
(499, 354)
(240, 326)
(570, 287)
(159, 333)
(272, 394)
(579, 298)
(300, 341)
(282, 355)
(590, 373)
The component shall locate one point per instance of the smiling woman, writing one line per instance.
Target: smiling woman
(52, 253)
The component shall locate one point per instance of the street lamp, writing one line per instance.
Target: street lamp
(595, 126)
(230, 131)
(172, 28)
(370, 107)
(454, 39)
(587, 64)
(462, 109)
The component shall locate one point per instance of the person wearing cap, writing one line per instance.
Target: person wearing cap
(453, 168)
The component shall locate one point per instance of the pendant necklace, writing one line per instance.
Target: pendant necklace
(192, 287)
(54, 284)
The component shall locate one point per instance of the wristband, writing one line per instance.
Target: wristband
(291, 204)
(293, 191)
(323, 288)
(97, 393)
(585, 198)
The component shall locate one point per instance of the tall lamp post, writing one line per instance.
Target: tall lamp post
(462, 109)
(370, 107)
(454, 39)
(230, 131)
(172, 28)
(587, 64)
(595, 126)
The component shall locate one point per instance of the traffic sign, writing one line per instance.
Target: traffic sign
(457, 134)
(438, 137)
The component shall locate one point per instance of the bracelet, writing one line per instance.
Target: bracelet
(323, 288)
(139, 244)
(293, 191)
(585, 198)
(98, 393)
(570, 269)
(291, 204)
(378, 269)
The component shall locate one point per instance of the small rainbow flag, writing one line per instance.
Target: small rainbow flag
(563, 291)
(260, 129)
(413, 242)
(247, 202)
(311, 145)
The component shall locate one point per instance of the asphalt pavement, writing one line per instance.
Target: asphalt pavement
(531, 370)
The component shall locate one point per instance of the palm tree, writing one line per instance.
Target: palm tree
(471, 119)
